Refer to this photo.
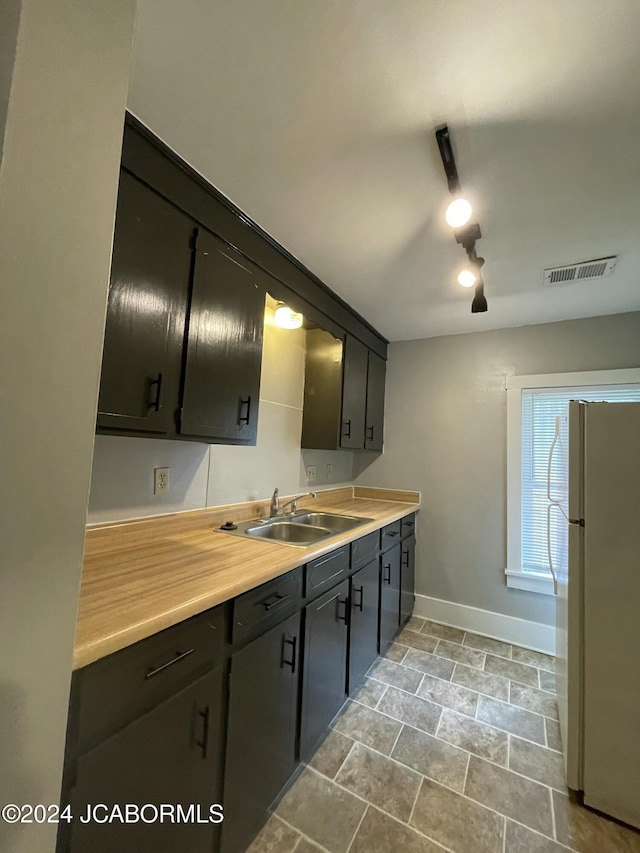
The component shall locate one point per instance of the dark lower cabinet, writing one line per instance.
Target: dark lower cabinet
(325, 664)
(170, 755)
(224, 345)
(363, 626)
(389, 596)
(407, 577)
(261, 733)
(148, 294)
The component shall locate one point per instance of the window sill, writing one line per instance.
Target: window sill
(530, 581)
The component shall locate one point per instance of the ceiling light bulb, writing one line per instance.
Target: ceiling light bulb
(287, 318)
(458, 213)
(466, 277)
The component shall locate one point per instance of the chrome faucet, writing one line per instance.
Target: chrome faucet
(277, 510)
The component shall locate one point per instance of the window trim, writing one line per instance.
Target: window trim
(516, 578)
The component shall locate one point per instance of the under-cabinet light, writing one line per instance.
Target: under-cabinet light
(286, 317)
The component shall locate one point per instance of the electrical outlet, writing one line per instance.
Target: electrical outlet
(311, 473)
(160, 481)
(329, 472)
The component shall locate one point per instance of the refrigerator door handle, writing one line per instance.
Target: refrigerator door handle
(553, 573)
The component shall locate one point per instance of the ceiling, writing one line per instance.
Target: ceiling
(317, 118)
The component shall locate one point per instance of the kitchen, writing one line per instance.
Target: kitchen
(52, 399)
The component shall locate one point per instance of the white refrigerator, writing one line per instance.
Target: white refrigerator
(596, 497)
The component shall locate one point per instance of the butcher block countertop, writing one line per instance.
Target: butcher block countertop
(142, 576)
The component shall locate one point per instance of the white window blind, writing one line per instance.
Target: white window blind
(540, 407)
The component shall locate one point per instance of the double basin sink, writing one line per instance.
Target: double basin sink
(302, 528)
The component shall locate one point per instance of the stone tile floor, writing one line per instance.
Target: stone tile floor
(451, 744)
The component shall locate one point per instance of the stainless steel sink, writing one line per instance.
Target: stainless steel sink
(337, 523)
(287, 531)
(300, 529)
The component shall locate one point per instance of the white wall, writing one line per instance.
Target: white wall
(203, 475)
(445, 434)
(58, 183)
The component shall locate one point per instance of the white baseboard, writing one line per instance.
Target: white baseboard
(510, 629)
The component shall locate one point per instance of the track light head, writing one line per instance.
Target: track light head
(448, 160)
(479, 304)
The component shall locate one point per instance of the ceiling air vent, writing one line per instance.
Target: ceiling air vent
(584, 271)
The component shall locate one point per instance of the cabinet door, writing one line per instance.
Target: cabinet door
(325, 665)
(148, 296)
(389, 596)
(373, 433)
(261, 733)
(170, 755)
(363, 626)
(224, 345)
(354, 393)
(407, 577)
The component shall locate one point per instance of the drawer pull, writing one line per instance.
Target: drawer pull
(179, 656)
(204, 743)
(347, 429)
(387, 578)
(357, 605)
(276, 602)
(408, 523)
(339, 603)
(292, 663)
(392, 533)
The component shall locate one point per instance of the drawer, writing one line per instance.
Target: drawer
(262, 607)
(390, 535)
(407, 525)
(365, 549)
(326, 571)
(117, 689)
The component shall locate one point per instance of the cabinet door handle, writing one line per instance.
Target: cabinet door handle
(283, 661)
(275, 602)
(346, 429)
(244, 419)
(405, 558)
(370, 433)
(204, 743)
(387, 578)
(339, 603)
(156, 403)
(357, 605)
(179, 656)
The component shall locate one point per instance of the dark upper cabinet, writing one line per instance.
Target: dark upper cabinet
(261, 732)
(374, 422)
(224, 345)
(325, 665)
(407, 577)
(148, 296)
(389, 596)
(354, 394)
(343, 394)
(363, 626)
(169, 755)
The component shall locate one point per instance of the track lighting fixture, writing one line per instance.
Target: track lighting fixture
(458, 216)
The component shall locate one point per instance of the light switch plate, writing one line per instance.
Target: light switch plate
(329, 472)
(311, 473)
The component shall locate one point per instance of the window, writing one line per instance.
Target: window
(533, 403)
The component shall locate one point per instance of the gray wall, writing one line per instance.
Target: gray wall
(445, 434)
(58, 183)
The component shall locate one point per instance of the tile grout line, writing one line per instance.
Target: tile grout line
(382, 695)
(395, 743)
(413, 828)
(364, 813)
(344, 761)
(466, 774)
(553, 817)
(504, 836)
(301, 834)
